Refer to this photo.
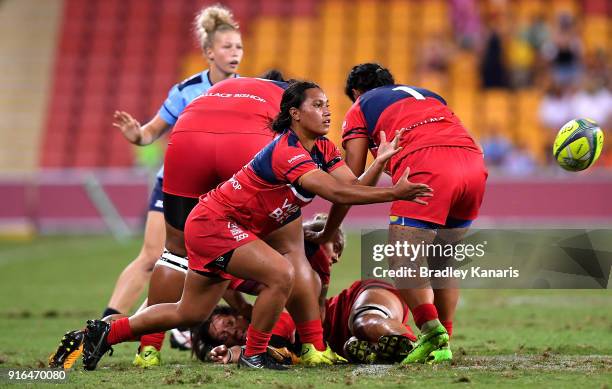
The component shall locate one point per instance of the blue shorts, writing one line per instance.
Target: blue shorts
(156, 203)
(411, 222)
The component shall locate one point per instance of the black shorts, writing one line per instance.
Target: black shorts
(176, 209)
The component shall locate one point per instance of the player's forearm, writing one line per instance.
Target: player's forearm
(236, 300)
(372, 175)
(359, 194)
(148, 135)
(151, 131)
(336, 215)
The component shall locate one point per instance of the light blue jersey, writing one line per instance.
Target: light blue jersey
(180, 96)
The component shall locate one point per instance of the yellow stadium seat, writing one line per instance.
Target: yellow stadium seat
(366, 35)
(528, 9)
(464, 70)
(596, 33)
(298, 48)
(464, 106)
(565, 6)
(435, 18)
(267, 33)
(496, 110)
(398, 42)
(528, 128)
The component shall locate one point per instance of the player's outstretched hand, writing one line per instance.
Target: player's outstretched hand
(130, 128)
(406, 190)
(222, 354)
(386, 150)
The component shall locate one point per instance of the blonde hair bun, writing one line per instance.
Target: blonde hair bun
(211, 20)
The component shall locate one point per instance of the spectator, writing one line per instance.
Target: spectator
(495, 147)
(556, 107)
(519, 162)
(538, 33)
(593, 101)
(564, 52)
(492, 66)
(466, 23)
(521, 58)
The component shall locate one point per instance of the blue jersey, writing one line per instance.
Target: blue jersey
(180, 96)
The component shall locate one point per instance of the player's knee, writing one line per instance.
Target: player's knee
(283, 279)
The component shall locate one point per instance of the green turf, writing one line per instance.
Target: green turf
(560, 338)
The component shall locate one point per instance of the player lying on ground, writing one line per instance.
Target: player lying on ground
(224, 235)
(366, 323)
(221, 43)
(438, 151)
(320, 258)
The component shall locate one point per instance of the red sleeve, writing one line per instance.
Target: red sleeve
(354, 125)
(332, 158)
(291, 162)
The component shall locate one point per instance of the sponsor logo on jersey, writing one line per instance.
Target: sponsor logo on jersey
(295, 158)
(422, 122)
(283, 212)
(237, 232)
(235, 184)
(237, 95)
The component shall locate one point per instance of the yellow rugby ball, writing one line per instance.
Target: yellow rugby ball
(578, 144)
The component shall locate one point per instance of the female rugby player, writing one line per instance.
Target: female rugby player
(221, 43)
(242, 229)
(438, 151)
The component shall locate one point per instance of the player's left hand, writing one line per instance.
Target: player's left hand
(221, 354)
(386, 150)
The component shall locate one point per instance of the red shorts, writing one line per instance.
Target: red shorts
(196, 162)
(210, 239)
(456, 174)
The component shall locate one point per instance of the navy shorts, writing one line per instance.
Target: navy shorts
(157, 196)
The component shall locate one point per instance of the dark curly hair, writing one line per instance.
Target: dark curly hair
(365, 77)
(201, 341)
(293, 97)
(274, 75)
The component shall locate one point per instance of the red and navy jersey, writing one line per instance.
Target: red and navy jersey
(338, 310)
(244, 105)
(265, 195)
(423, 114)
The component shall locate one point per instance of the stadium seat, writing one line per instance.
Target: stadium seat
(434, 17)
(596, 33)
(299, 47)
(365, 31)
(497, 112)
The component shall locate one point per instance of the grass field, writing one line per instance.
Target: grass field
(557, 338)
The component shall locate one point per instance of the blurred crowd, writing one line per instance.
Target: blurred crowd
(544, 52)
